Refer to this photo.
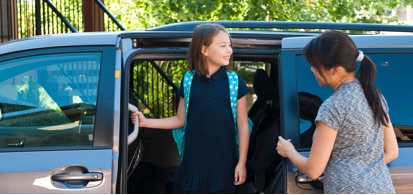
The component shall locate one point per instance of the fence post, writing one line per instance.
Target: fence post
(92, 16)
(38, 19)
(7, 20)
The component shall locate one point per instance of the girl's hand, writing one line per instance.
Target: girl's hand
(140, 116)
(240, 174)
(284, 147)
(133, 117)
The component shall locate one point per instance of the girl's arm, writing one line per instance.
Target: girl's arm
(314, 165)
(243, 140)
(391, 149)
(243, 129)
(176, 121)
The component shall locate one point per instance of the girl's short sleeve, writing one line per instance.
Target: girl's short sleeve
(180, 91)
(242, 87)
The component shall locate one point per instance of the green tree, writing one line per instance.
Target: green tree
(144, 14)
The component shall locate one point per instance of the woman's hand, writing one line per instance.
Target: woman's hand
(284, 147)
(240, 174)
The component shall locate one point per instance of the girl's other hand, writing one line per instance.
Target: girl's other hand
(240, 174)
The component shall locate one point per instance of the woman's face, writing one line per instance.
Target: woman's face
(322, 81)
(220, 51)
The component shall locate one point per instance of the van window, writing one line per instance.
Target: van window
(48, 100)
(393, 79)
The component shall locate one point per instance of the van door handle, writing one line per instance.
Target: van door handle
(91, 176)
(303, 179)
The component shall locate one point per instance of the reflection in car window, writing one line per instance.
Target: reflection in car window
(308, 108)
(48, 100)
(311, 96)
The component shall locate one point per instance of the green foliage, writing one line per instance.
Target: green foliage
(156, 95)
(144, 14)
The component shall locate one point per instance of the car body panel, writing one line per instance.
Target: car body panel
(52, 153)
(30, 170)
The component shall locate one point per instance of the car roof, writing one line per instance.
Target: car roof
(56, 40)
(232, 24)
(246, 33)
(362, 41)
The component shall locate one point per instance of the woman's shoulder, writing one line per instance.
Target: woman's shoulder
(337, 101)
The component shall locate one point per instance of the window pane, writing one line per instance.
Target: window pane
(393, 79)
(48, 100)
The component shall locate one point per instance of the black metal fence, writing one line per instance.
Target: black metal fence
(25, 18)
(153, 85)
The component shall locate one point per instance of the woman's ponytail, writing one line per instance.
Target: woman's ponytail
(366, 76)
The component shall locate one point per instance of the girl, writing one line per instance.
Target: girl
(354, 137)
(209, 163)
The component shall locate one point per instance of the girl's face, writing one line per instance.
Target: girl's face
(220, 50)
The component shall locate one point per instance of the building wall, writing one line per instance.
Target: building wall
(404, 14)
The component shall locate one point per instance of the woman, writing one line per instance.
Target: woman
(354, 138)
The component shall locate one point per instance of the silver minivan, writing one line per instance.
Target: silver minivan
(66, 99)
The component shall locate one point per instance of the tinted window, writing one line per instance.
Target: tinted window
(48, 100)
(394, 80)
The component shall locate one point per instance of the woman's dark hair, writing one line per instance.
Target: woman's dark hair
(335, 48)
(202, 36)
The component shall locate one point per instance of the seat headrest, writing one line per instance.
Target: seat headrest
(263, 86)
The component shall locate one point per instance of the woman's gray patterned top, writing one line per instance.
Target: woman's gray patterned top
(357, 162)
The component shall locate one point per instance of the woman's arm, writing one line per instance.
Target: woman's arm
(391, 149)
(314, 165)
(176, 121)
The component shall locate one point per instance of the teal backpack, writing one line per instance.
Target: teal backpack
(179, 133)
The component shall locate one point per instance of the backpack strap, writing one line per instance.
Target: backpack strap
(189, 75)
(179, 133)
(233, 93)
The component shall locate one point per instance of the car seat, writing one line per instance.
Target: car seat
(261, 153)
